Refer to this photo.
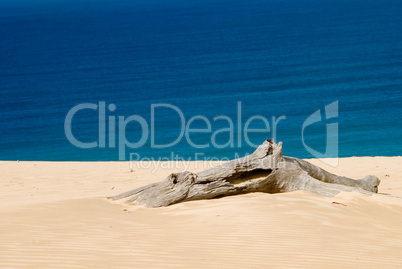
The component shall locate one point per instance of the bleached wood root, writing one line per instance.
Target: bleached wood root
(265, 170)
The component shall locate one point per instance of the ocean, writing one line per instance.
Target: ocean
(207, 59)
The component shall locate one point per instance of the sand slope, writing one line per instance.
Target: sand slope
(54, 215)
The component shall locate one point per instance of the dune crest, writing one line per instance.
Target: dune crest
(55, 215)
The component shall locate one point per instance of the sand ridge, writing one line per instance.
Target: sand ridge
(55, 215)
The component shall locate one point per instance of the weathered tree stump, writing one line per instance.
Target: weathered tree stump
(265, 170)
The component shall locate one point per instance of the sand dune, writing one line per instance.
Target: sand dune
(55, 215)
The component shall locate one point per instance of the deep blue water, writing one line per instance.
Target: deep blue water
(289, 57)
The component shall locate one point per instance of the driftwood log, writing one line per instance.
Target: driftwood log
(265, 170)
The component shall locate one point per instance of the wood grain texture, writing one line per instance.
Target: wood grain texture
(265, 170)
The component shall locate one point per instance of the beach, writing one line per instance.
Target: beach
(56, 215)
(98, 98)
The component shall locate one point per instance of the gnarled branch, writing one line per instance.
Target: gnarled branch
(265, 170)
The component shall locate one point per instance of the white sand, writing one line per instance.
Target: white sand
(55, 215)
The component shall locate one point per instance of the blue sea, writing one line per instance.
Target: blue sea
(206, 58)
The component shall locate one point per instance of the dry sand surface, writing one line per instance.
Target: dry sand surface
(55, 215)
